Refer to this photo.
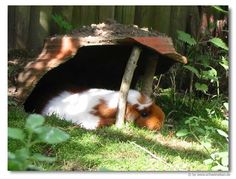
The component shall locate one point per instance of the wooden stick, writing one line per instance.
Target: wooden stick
(125, 85)
(147, 78)
(151, 154)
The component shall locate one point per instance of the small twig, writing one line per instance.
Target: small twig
(169, 125)
(158, 82)
(173, 111)
(151, 154)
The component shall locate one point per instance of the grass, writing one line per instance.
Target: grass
(130, 148)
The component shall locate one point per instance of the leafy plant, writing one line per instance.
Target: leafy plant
(62, 23)
(218, 8)
(35, 132)
(219, 43)
(199, 65)
(198, 128)
(185, 37)
(219, 161)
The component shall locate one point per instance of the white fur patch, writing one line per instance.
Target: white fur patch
(77, 107)
(133, 98)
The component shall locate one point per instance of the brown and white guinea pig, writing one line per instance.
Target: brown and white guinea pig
(96, 108)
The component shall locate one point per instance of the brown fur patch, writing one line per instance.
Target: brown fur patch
(107, 115)
(154, 120)
(102, 110)
(106, 122)
(131, 112)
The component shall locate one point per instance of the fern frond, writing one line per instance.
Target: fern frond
(219, 43)
(186, 38)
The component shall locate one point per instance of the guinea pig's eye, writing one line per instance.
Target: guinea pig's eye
(144, 114)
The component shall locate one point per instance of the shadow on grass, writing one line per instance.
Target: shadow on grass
(110, 136)
(89, 153)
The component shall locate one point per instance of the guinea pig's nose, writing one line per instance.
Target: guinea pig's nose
(151, 123)
(156, 127)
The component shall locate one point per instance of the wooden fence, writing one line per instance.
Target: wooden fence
(28, 26)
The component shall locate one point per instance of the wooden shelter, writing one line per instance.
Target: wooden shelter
(109, 37)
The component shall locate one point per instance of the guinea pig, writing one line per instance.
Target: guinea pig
(94, 108)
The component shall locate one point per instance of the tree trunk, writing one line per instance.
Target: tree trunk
(125, 85)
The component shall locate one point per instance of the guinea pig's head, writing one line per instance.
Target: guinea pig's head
(148, 115)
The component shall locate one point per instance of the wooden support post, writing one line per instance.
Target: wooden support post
(125, 85)
(149, 73)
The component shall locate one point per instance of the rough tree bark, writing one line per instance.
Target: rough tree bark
(125, 85)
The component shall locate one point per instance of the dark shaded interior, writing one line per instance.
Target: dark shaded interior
(92, 67)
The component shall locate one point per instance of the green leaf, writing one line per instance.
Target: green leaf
(205, 59)
(215, 156)
(193, 70)
(219, 43)
(208, 161)
(51, 135)
(185, 37)
(34, 121)
(16, 165)
(207, 144)
(218, 8)
(62, 23)
(210, 74)
(22, 154)
(200, 130)
(225, 123)
(16, 133)
(224, 63)
(182, 132)
(43, 158)
(201, 87)
(191, 120)
(222, 133)
(226, 105)
(11, 155)
(18, 161)
(211, 129)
